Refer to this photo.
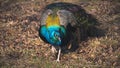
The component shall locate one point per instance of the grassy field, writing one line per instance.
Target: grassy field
(21, 47)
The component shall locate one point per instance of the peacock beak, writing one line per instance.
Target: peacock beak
(59, 39)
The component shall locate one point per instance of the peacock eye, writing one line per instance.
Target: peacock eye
(55, 35)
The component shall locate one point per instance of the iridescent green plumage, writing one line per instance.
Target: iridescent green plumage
(59, 21)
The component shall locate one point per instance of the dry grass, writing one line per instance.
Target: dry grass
(21, 47)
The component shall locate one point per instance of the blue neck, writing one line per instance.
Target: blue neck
(48, 32)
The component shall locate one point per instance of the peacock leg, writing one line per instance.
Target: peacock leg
(58, 56)
(53, 49)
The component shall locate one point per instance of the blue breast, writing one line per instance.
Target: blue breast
(45, 32)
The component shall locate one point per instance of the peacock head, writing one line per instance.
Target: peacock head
(55, 37)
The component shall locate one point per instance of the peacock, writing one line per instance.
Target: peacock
(59, 23)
